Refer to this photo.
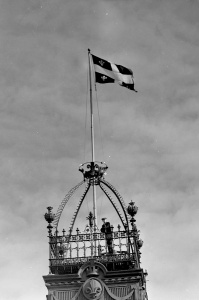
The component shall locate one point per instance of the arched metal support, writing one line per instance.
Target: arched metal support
(63, 203)
(123, 205)
(119, 197)
(78, 208)
(112, 202)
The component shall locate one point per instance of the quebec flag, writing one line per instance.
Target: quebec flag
(107, 72)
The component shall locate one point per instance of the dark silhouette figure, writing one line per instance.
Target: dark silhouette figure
(106, 228)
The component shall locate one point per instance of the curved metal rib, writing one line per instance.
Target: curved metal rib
(112, 202)
(119, 197)
(78, 208)
(122, 203)
(63, 203)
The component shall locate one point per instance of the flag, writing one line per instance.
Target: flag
(107, 72)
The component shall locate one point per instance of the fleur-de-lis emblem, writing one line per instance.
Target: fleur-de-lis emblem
(92, 289)
(103, 77)
(101, 62)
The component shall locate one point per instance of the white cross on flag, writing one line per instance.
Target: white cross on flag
(107, 72)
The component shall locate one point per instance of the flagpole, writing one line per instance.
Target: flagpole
(92, 141)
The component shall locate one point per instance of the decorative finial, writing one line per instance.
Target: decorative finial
(139, 243)
(90, 218)
(49, 217)
(132, 209)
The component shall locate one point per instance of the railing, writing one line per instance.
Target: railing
(113, 262)
(115, 250)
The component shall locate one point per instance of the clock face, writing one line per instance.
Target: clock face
(92, 289)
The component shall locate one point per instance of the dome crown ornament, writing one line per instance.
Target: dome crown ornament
(93, 171)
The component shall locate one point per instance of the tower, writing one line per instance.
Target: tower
(95, 263)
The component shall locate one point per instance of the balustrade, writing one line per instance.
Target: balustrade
(69, 252)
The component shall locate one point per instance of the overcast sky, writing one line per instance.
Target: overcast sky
(150, 139)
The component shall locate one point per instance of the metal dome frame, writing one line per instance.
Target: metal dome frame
(93, 178)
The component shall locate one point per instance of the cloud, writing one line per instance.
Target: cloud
(150, 139)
